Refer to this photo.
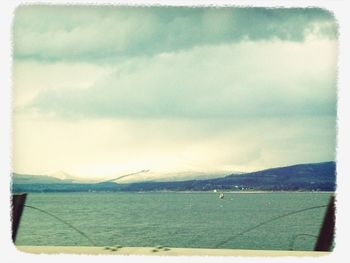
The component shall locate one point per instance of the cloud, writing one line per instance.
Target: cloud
(31, 77)
(106, 90)
(244, 80)
(100, 148)
(93, 33)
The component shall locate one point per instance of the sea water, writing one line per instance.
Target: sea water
(174, 219)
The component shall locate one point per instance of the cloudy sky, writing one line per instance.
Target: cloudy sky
(102, 91)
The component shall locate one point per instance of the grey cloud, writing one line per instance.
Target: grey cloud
(212, 82)
(109, 33)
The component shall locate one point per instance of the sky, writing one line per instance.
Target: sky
(105, 91)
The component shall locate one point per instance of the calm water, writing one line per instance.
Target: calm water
(199, 220)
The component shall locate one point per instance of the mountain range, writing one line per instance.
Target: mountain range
(300, 177)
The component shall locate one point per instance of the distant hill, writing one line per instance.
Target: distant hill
(316, 176)
(301, 177)
(59, 177)
(37, 179)
(64, 176)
